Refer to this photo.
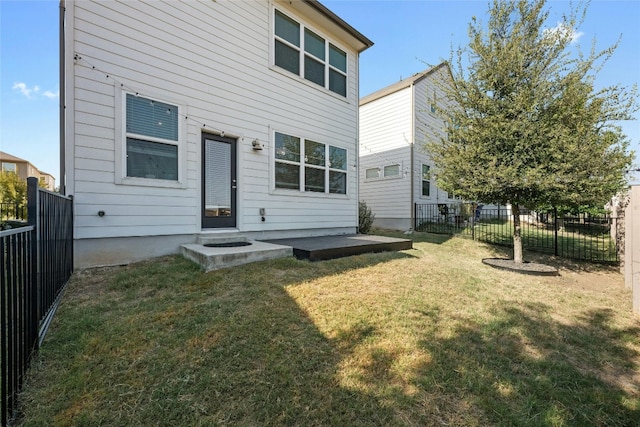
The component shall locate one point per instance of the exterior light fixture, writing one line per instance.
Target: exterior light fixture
(256, 145)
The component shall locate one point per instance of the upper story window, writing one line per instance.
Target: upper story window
(303, 52)
(9, 167)
(151, 139)
(310, 166)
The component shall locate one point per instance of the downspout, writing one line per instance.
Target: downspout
(357, 160)
(62, 97)
(412, 151)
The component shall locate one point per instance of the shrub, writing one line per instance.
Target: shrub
(365, 218)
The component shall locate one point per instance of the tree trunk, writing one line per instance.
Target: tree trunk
(517, 237)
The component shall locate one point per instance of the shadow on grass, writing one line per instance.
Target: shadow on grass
(161, 343)
(523, 368)
(418, 236)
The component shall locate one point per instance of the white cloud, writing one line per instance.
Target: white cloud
(561, 30)
(33, 91)
(22, 88)
(51, 95)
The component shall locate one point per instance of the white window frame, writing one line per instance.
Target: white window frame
(121, 144)
(302, 53)
(6, 167)
(302, 164)
(372, 178)
(398, 175)
(422, 180)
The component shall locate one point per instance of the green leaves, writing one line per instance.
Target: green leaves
(13, 189)
(530, 128)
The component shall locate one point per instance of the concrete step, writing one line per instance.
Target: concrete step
(218, 238)
(215, 258)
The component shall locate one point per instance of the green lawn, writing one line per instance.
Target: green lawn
(429, 336)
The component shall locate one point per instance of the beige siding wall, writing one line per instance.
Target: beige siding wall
(632, 247)
(212, 59)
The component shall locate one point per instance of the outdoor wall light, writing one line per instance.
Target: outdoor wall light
(256, 145)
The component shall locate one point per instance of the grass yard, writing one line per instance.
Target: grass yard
(590, 242)
(592, 246)
(424, 337)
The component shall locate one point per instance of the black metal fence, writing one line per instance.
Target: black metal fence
(37, 262)
(581, 236)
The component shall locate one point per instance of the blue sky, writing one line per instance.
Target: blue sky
(409, 36)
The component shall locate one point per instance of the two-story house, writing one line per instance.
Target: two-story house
(24, 169)
(395, 167)
(184, 118)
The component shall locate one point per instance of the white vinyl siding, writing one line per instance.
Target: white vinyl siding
(212, 60)
(391, 126)
(385, 134)
(428, 94)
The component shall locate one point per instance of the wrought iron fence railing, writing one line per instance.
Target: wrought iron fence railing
(581, 236)
(36, 262)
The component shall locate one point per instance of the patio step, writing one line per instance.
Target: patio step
(225, 251)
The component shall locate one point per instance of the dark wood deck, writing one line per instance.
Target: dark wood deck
(329, 247)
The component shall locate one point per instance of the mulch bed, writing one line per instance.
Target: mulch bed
(532, 268)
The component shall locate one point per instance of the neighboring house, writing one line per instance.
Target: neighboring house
(24, 169)
(395, 168)
(184, 118)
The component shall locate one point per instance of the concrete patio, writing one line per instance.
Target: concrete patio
(213, 253)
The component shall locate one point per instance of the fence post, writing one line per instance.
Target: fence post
(555, 228)
(473, 221)
(33, 218)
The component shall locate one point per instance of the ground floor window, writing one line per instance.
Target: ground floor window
(154, 160)
(391, 170)
(310, 166)
(372, 173)
(151, 149)
(426, 180)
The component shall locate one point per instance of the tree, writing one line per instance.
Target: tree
(525, 125)
(13, 190)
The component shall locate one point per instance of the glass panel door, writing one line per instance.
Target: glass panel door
(218, 181)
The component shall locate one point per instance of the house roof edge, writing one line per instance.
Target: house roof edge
(402, 84)
(341, 23)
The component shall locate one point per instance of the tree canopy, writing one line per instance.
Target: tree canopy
(525, 125)
(13, 189)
